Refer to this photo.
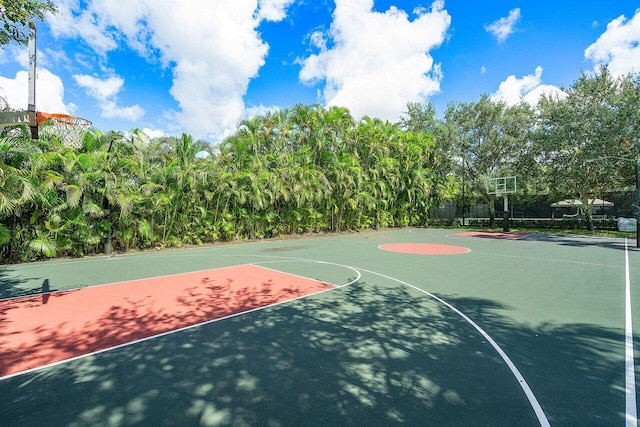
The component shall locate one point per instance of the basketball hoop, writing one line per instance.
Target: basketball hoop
(70, 129)
(501, 186)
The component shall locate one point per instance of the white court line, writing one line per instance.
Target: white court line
(631, 414)
(358, 274)
(542, 418)
(523, 384)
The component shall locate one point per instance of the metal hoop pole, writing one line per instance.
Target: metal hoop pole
(31, 105)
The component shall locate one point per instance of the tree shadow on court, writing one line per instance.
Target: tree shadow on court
(575, 370)
(368, 354)
(63, 336)
(579, 242)
(11, 286)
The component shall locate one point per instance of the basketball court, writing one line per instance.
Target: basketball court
(402, 326)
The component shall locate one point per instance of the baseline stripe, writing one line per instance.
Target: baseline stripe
(631, 414)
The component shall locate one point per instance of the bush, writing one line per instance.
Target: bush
(444, 222)
(550, 224)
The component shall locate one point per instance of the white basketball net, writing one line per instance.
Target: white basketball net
(69, 129)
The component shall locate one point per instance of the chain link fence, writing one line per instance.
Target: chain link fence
(535, 208)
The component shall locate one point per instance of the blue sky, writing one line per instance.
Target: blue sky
(199, 66)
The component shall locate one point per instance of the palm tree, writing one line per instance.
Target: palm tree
(15, 185)
(17, 190)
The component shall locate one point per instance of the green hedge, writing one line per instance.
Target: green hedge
(565, 224)
(444, 222)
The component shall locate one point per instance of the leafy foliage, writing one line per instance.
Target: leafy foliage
(490, 139)
(309, 169)
(16, 16)
(585, 137)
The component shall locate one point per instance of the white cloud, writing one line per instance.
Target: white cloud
(618, 47)
(151, 133)
(504, 27)
(529, 88)
(105, 91)
(533, 96)
(213, 49)
(112, 110)
(68, 22)
(317, 40)
(211, 76)
(49, 92)
(377, 62)
(14, 53)
(273, 10)
(100, 90)
(260, 110)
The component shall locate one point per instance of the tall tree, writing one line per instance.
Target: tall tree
(421, 118)
(584, 135)
(488, 137)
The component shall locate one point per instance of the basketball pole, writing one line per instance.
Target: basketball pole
(31, 104)
(505, 213)
(637, 171)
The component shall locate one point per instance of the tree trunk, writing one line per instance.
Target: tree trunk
(588, 218)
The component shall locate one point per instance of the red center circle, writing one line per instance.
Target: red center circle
(424, 248)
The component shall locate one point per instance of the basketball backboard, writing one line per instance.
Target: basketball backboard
(502, 185)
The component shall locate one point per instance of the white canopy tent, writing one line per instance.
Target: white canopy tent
(575, 203)
(579, 207)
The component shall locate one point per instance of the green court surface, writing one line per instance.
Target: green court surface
(530, 331)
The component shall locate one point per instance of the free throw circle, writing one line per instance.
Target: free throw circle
(424, 248)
